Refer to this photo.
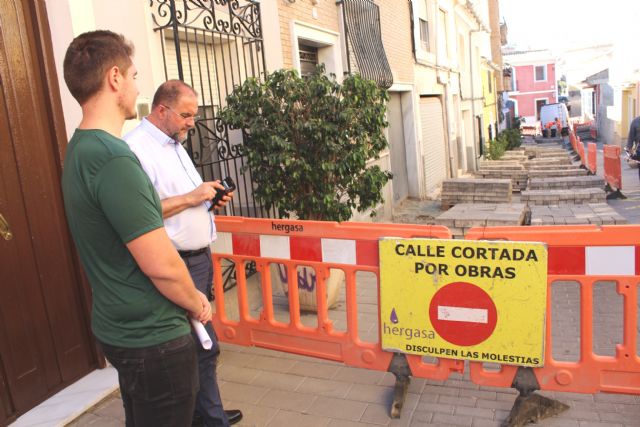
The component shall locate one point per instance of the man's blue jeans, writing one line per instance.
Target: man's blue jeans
(158, 384)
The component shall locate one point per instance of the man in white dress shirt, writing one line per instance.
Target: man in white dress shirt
(185, 200)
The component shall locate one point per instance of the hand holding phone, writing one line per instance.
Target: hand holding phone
(228, 185)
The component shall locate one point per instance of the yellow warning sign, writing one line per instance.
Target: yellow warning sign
(462, 299)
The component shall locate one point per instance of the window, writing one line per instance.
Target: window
(539, 103)
(443, 36)
(489, 81)
(541, 73)
(308, 59)
(462, 63)
(314, 45)
(424, 34)
(422, 24)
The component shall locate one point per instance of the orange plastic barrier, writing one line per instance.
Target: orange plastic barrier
(586, 255)
(580, 147)
(351, 247)
(591, 157)
(572, 139)
(612, 169)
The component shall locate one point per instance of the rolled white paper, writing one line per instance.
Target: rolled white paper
(203, 336)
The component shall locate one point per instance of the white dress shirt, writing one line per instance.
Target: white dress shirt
(172, 174)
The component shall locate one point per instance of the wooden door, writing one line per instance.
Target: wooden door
(44, 336)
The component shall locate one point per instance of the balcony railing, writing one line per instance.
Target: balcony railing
(365, 51)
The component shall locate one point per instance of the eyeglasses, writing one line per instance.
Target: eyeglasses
(184, 116)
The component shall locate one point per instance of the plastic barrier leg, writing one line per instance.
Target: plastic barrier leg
(400, 368)
(530, 407)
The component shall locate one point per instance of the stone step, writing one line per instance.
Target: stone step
(551, 161)
(465, 215)
(500, 161)
(475, 190)
(542, 140)
(550, 173)
(512, 155)
(509, 167)
(589, 181)
(539, 150)
(553, 167)
(589, 213)
(519, 177)
(545, 154)
(572, 196)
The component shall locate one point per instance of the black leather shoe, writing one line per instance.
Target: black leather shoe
(233, 415)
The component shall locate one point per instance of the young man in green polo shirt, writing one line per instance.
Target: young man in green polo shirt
(142, 291)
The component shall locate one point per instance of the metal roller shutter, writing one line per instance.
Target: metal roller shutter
(433, 142)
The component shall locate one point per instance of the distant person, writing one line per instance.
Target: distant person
(555, 127)
(186, 203)
(633, 141)
(548, 129)
(141, 289)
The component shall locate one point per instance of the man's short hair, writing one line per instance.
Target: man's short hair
(169, 91)
(89, 57)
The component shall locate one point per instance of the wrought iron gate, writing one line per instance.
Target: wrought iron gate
(214, 45)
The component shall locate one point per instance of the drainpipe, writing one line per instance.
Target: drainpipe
(473, 95)
(453, 172)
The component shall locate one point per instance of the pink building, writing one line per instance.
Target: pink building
(533, 82)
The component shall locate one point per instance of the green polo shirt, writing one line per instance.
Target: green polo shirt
(109, 201)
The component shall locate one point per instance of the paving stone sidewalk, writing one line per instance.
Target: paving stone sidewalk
(283, 390)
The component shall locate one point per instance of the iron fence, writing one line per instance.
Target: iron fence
(214, 45)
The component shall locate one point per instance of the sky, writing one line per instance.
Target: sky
(562, 24)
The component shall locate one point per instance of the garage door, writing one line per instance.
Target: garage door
(434, 160)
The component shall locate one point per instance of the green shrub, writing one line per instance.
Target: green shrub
(496, 147)
(309, 140)
(514, 138)
(507, 139)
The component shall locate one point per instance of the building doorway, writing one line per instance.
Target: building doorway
(45, 343)
(395, 117)
(539, 104)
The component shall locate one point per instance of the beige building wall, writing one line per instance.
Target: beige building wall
(316, 13)
(70, 18)
(496, 43)
(448, 66)
(395, 23)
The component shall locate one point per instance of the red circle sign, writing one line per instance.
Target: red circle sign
(463, 314)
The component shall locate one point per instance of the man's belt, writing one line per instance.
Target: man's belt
(187, 254)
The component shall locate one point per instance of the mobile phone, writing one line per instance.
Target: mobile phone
(228, 185)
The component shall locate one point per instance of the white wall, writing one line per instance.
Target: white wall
(70, 18)
(62, 32)
(271, 34)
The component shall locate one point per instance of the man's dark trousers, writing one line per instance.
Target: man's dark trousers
(208, 402)
(158, 384)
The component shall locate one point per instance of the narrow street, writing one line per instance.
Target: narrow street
(324, 110)
(280, 389)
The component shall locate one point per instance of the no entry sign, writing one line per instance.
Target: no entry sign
(474, 300)
(463, 314)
